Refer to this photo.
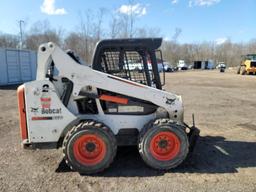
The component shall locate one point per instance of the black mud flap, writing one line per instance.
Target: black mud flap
(193, 136)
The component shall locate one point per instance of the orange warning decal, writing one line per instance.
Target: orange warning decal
(114, 99)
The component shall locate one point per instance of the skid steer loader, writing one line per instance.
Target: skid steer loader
(89, 111)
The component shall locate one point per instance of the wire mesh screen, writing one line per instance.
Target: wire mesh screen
(125, 64)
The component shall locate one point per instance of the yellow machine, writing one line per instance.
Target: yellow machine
(248, 64)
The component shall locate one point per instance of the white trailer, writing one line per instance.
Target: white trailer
(17, 66)
(182, 65)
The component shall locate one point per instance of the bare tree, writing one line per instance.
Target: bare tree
(41, 32)
(127, 21)
(115, 27)
(124, 23)
(176, 35)
(86, 32)
(98, 31)
(147, 32)
(9, 41)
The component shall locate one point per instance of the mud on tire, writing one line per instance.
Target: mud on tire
(163, 144)
(89, 147)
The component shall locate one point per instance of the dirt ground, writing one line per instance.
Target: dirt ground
(224, 158)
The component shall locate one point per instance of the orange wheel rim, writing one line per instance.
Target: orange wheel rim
(165, 146)
(89, 149)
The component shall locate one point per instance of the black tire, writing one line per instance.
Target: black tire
(75, 138)
(160, 126)
(243, 71)
(238, 70)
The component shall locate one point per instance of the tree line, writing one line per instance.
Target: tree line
(90, 30)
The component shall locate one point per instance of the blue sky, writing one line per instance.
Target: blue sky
(200, 20)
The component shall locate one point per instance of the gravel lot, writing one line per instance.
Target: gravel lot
(224, 158)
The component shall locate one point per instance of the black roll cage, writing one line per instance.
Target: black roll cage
(146, 47)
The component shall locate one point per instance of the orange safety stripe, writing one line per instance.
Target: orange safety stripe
(114, 99)
(22, 112)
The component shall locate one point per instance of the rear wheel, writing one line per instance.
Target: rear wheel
(89, 147)
(163, 144)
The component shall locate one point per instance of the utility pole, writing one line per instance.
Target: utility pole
(21, 33)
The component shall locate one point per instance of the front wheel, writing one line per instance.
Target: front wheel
(163, 144)
(243, 70)
(238, 70)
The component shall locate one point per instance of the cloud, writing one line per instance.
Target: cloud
(202, 3)
(167, 38)
(136, 9)
(48, 7)
(220, 41)
(190, 3)
(174, 1)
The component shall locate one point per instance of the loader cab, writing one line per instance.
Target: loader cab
(131, 59)
(251, 57)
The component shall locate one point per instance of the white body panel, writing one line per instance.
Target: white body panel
(45, 119)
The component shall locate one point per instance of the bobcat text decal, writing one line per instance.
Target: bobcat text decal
(51, 111)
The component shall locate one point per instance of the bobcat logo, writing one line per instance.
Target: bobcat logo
(34, 110)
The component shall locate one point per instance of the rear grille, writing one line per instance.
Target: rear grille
(253, 63)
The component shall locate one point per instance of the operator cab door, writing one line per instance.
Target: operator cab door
(134, 63)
